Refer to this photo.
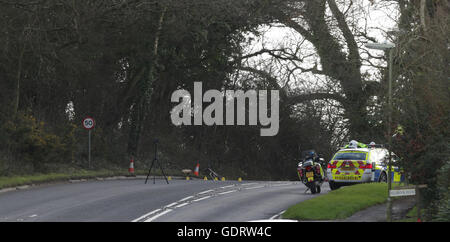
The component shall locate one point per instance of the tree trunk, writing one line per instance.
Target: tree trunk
(19, 76)
(143, 100)
(340, 66)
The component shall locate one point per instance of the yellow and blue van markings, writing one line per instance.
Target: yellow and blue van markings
(396, 175)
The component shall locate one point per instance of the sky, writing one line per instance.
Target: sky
(379, 20)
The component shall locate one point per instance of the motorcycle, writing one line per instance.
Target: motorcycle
(311, 174)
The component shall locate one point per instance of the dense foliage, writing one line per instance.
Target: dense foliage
(119, 62)
(422, 98)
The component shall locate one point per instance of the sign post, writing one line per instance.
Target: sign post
(402, 192)
(89, 124)
(408, 191)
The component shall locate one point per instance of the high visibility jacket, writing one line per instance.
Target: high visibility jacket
(360, 145)
(399, 130)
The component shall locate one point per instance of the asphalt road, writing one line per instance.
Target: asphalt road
(132, 200)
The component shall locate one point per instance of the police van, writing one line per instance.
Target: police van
(361, 163)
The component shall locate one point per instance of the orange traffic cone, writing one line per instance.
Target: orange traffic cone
(197, 169)
(131, 169)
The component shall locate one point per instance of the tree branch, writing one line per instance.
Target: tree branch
(348, 35)
(260, 52)
(273, 81)
(287, 20)
(314, 96)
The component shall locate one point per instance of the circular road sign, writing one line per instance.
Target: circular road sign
(88, 123)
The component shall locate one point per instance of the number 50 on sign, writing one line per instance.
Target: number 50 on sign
(88, 123)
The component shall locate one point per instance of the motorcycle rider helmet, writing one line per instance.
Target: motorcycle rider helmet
(311, 155)
(353, 144)
(372, 144)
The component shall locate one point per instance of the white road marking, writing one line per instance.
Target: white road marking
(248, 184)
(227, 186)
(172, 204)
(277, 215)
(146, 215)
(159, 215)
(186, 198)
(282, 184)
(203, 198)
(223, 193)
(250, 188)
(205, 192)
(32, 216)
(181, 205)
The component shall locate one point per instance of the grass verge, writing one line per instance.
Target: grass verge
(411, 216)
(340, 203)
(13, 181)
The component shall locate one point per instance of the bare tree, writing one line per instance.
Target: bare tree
(331, 44)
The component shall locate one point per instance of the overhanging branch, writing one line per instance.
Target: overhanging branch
(291, 100)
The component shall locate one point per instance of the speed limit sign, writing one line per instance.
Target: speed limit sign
(88, 123)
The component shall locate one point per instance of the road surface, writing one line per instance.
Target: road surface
(132, 200)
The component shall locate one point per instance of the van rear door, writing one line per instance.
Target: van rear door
(349, 166)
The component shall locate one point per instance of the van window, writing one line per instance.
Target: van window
(381, 155)
(351, 156)
(378, 155)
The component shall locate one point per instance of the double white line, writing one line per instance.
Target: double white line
(153, 215)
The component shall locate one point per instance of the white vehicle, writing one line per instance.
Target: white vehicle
(359, 165)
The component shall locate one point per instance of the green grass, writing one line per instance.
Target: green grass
(340, 203)
(13, 181)
(411, 216)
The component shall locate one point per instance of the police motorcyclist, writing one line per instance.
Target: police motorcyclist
(312, 155)
(316, 160)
